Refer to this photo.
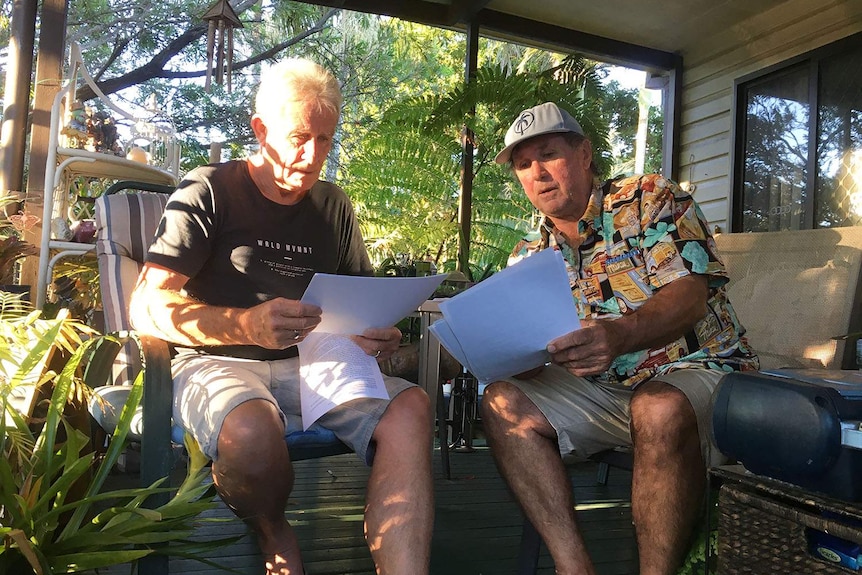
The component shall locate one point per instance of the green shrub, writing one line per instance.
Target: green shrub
(56, 515)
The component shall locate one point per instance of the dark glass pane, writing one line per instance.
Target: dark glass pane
(838, 197)
(776, 152)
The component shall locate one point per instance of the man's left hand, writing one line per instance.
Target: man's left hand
(384, 340)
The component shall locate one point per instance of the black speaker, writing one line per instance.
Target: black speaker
(790, 427)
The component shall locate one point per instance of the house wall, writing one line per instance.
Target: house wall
(709, 72)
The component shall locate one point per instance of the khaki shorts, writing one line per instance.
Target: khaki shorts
(208, 387)
(590, 417)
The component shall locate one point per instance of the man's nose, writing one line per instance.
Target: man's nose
(312, 149)
(538, 171)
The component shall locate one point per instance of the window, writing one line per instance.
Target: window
(799, 154)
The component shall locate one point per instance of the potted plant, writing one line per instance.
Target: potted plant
(58, 516)
(12, 247)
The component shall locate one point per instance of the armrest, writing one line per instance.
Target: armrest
(156, 453)
(156, 404)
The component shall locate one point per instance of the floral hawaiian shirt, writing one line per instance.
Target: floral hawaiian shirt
(639, 234)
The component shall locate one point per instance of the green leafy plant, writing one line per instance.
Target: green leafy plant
(76, 286)
(57, 516)
(703, 554)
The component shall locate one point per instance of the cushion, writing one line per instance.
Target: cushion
(125, 227)
(794, 291)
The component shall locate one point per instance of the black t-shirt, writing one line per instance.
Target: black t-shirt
(239, 248)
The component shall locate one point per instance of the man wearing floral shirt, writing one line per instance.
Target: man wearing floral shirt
(657, 334)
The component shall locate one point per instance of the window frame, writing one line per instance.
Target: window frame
(812, 60)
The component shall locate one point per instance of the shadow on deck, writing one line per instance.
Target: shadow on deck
(477, 527)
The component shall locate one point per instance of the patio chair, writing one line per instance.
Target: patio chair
(126, 224)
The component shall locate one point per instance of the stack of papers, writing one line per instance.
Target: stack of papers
(333, 368)
(501, 327)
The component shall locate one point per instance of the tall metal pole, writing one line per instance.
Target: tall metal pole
(465, 209)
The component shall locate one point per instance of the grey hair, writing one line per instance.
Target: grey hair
(296, 80)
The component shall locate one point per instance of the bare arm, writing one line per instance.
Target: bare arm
(667, 315)
(159, 307)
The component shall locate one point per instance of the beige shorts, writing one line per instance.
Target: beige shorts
(590, 417)
(208, 387)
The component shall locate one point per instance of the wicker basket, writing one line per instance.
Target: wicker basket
(762, 529)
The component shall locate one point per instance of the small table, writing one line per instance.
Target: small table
(429, 350)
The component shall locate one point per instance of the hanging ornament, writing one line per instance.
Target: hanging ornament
(222, 20)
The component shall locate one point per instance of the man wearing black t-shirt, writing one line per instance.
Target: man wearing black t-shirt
(236, 248)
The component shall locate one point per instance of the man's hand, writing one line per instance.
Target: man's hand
(589, 350)
(384, 340)
(279, 323)
(667, 315)
(160, 308)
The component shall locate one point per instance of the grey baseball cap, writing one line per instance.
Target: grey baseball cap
(547, 118)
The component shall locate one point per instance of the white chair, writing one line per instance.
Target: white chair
(68, 158)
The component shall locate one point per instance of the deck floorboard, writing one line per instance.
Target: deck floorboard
(477, 525)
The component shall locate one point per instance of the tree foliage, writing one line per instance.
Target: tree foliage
(405, 179)
(620, 107)
(398, 145)
(160, 49)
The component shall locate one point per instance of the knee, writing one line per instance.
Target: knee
(410, 409)
(253, 426)
(252, 451)
(502, 401)
(661, 415)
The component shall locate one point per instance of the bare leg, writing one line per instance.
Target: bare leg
(669, 476)
(399, 511)
(254, 477)
(524, 446)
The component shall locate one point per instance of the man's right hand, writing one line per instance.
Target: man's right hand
(160, 308)
(589, 350)
(279, 323)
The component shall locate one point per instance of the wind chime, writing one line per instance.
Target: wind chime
(222, 20)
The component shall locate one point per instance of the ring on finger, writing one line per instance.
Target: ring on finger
(296, 334)
(376, 355)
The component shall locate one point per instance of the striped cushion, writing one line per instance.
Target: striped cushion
(126, 225)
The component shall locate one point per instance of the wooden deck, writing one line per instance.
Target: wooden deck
(477, 526)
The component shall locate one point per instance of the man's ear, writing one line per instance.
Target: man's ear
(259, 129)
(586, 151)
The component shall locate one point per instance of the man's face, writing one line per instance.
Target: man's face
(555, 175)
(297, 146)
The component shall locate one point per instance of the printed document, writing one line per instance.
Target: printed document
(501, 326)
(333, 368)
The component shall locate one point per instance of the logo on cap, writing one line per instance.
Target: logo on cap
(525, 120)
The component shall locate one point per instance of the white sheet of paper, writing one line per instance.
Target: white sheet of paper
(502, 326)
(352, 304)
(333, 370)
(443, 332)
